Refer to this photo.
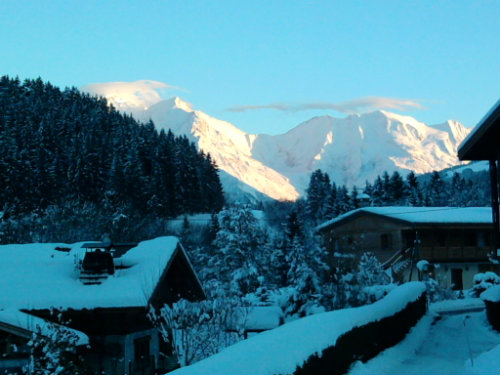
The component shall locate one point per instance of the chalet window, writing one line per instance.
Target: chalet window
(483, 239)
(385, 241)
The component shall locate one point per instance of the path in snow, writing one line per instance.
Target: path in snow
(440, 348)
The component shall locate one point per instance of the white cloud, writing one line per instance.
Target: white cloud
(139, 94)
(359, 105)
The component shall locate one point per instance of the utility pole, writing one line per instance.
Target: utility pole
(414, 254)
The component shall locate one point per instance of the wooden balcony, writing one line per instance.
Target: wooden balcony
(454, 253)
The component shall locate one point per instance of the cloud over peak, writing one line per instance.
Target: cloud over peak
(358, 105)
(139, 94)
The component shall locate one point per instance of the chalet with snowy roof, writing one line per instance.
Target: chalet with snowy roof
(483, 143)
(457, 241)
(110, 312)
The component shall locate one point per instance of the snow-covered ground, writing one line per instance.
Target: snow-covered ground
(441, 344)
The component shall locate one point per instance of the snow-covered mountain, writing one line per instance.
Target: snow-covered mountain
(360, 147)
(351, 150)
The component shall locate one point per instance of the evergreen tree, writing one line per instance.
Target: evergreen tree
(414, 193)
(354, 198)
(331, 209)
(235, 264)
(317, 195)
(457, 191)
(377, 196)
(436, 191)
(397, 190)
(343, 200)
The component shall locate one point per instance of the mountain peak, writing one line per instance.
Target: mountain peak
(456, 129)
(177, 103)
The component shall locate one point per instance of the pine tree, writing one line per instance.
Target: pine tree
(436, 191)
(354, 198)
(236, 245)
(414, 193)
(377, 196)
(317, 195)
(343, 200)
(457, 191)
(397, 190)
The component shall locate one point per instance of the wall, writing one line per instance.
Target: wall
(364, 234)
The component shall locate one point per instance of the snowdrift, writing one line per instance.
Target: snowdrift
(326, 343)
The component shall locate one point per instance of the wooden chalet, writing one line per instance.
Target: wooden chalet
(483, 143)
(113, 312)
(458, 241)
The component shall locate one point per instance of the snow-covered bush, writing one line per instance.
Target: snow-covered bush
(366, 283)
(436, 291)
(483, 281)
(53, 351)
(197, 330)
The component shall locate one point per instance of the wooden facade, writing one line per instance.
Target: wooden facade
(455, 246)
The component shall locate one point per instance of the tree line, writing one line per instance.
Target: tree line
(326, 200)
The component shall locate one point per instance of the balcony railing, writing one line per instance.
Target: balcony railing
(454, 253)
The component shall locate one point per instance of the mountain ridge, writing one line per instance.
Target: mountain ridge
(351, 150)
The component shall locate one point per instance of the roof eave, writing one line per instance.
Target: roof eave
(467, 149)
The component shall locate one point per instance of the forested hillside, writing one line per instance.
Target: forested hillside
(71, 156)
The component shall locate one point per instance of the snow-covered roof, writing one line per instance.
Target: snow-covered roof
(481, 143)
(421, 215)
(35, 276)
(31, 323)
(283, 349)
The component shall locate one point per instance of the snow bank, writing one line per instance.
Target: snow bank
(36, 276)
(485, 364)
(491, 294)
(282, 350)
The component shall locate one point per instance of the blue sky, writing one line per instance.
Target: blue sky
(268, 65)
